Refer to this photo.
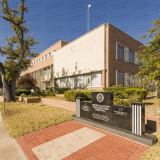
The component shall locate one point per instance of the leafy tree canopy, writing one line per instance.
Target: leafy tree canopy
(19, 47)
(150, 54)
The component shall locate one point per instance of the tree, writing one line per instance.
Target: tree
(18, 52)
(26, 82)
(150, 54)
(1, 85)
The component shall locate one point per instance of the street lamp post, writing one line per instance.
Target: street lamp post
(88, 17)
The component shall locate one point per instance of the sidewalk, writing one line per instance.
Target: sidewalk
(9, 148)
(59, 103)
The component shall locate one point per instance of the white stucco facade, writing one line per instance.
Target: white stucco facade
(84, 55)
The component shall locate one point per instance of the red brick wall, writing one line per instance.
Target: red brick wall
(113, 64)
(152, 122)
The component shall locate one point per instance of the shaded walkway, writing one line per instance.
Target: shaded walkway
(59, 103)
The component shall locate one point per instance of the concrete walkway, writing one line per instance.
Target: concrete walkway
(59, 103)
(9, 148)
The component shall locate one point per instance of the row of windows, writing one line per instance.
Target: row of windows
(77, 81)
(121, 55)
(41, 59)
(123, 79)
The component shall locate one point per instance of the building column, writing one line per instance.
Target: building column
(103, 78)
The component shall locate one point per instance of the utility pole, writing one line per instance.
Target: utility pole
(88, 18)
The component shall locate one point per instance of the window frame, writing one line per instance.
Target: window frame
(118, 83)
(117, 52)
(131, 51)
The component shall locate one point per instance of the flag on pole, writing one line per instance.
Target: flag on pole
(89, 6)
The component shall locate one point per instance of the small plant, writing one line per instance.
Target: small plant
(39, 93)
(22, 95)
(158, 94)
(51, 92)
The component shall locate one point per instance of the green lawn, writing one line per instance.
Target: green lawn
(21, 118)
(152, 105)
(153, 152)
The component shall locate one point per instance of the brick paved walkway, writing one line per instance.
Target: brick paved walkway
(59, 103)
(76, 141)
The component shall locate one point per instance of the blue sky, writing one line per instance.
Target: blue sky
(54, 20)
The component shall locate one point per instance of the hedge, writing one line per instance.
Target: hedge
(118, 88)
(72, 94)
(60, 90)
(141, 93)
(18, 92)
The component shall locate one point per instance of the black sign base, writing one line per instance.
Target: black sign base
(146, 139)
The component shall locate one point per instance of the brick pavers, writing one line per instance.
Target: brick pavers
(109, 146)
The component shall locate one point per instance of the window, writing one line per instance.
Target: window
(45, 56)
(36, 61)
(139, 63)
(87, 79)
(120, 52)
(39, 60)
(120, 78)
(63, 82)
(131, 56)
(49, 54)
(71, 81)
(42, 58)
(45, 73)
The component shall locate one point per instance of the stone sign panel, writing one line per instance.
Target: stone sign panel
(122, 117)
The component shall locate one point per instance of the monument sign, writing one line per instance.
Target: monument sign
(102, 110)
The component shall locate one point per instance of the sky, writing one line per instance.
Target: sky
(54, 20)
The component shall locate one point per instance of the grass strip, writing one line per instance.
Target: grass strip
(21, 118)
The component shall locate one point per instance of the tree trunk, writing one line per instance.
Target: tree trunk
(13, 86)
(9, 90)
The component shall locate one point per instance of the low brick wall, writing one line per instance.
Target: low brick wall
(152, 122)
(31, 100)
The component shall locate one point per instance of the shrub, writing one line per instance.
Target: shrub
(61, 90)
(39, 93)
(22, 95)
(18, 92)
(158, 94)
(140, 93)
(123, 102)
(71, 95)
(119, 94)
(117, 86)
(51, 91)
(26, 82)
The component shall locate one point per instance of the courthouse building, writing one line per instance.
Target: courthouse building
(103, 57)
